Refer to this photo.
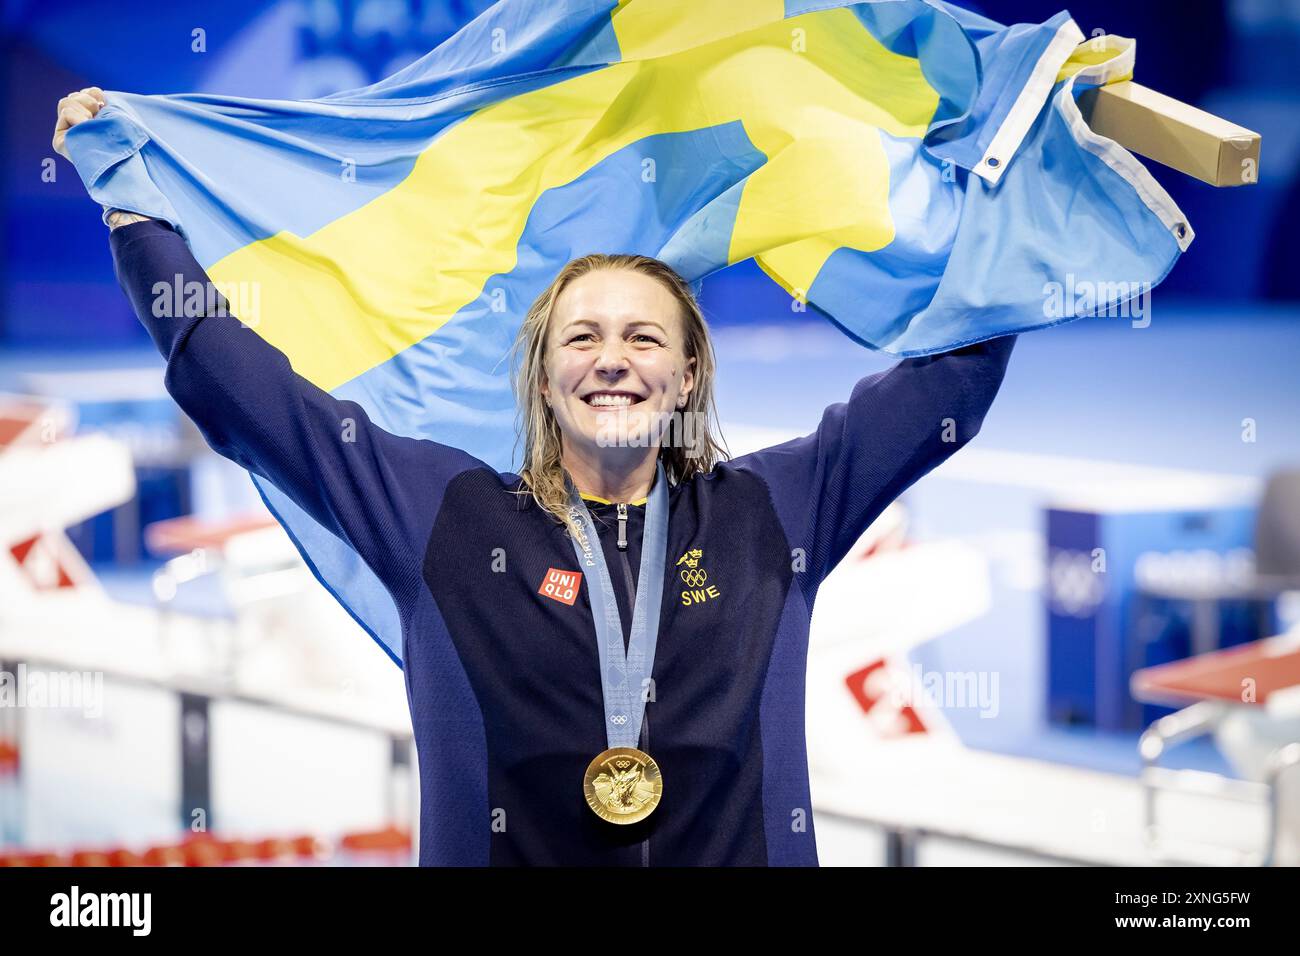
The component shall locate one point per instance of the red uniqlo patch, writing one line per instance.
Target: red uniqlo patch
(561, 585)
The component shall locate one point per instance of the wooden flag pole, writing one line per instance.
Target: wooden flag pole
(1173, 133)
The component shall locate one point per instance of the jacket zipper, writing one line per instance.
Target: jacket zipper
(631, 603)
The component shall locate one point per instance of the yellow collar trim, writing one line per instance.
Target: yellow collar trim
(605, 502)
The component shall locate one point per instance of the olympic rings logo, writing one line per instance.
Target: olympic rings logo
(1075, 588)
(694, 577)
(618, 720)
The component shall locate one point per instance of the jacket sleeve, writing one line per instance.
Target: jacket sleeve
(897, 426)
(377, 491)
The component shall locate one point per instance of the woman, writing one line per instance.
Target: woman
(572, 705)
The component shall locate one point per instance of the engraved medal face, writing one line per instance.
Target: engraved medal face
(623, 785)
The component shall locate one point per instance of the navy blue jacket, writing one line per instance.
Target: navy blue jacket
(502, 680)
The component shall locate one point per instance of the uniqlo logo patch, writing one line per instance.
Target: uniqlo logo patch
(560, 585)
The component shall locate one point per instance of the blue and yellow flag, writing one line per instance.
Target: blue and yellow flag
(920, 175)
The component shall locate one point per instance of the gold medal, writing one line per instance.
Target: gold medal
(623, 785)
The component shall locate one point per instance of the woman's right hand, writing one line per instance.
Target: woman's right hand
(73, 109)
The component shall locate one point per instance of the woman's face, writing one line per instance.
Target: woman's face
(616, 365)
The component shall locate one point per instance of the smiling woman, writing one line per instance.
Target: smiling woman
(617, 367)
(503, 582)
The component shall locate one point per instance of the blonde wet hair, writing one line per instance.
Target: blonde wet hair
(543, 470)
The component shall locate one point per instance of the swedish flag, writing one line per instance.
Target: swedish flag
(920, 175)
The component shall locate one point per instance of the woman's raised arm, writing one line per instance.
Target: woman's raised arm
(896, 426)
(377, 491)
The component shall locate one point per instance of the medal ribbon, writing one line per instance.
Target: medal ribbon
(622, 676)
